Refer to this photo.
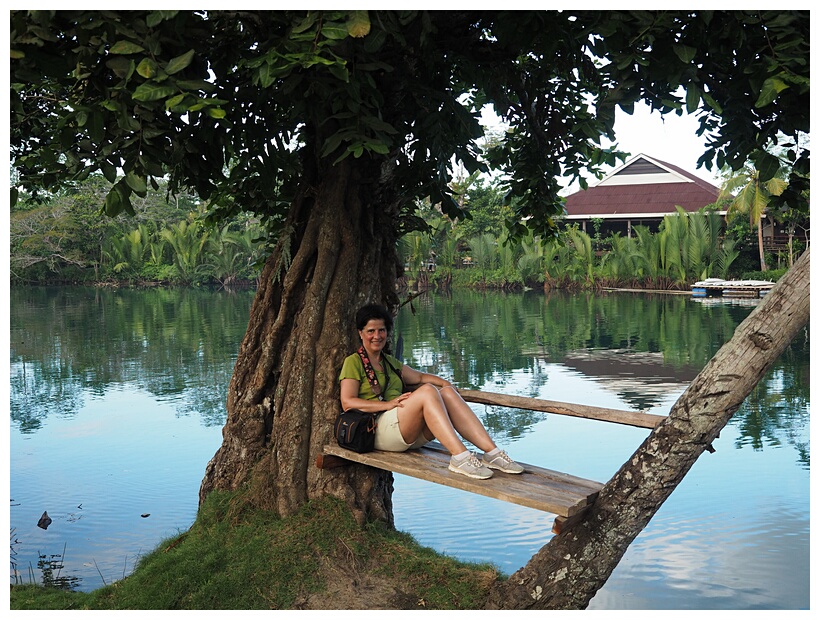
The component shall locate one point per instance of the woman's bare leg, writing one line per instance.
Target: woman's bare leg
(424, 410)
(465, 421)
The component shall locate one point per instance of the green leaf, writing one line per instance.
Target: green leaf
(776, 186)
(772, 87)
(126, 47)
(686, 53)
(378, 147)
(109, 171)
(151, 91)
(265, 76)
(122, 67)
(215, 112)
(136, 183)
(692, 97)
(156, 17)
(147, 68)
(332, 143)
(174, 101)
(113, 203)
(340, 72)
(378, 124)
(374, 41)
(202, 85)
(175, 65)
(767, 165)
(334, 30)
(96, 127)
(358, 25)
(710, 101)
(306, 23)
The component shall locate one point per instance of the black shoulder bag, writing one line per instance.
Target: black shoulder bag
(354, 429)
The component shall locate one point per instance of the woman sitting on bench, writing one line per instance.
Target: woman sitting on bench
(371, 381)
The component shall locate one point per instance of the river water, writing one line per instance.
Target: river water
(117, 404)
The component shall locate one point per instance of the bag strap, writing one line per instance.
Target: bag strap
(370, 373)
(398, 372)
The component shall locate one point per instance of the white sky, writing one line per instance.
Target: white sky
(669, 138)
(672, 139)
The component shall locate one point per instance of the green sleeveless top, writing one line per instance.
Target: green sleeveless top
(352, 368)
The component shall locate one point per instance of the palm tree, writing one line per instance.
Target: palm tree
(753, 197)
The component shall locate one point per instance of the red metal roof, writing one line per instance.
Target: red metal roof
(620, 197)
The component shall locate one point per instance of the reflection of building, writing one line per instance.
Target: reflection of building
(642, 191)
(642, 379)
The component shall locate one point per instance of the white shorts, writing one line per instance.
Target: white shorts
(388, 435)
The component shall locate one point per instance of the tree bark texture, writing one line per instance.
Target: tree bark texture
(337, 253)
(568, 571)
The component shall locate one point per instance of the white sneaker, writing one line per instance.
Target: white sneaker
(471, 467)
(502, 462)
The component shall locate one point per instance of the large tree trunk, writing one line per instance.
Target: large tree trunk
(338, 253)
(568, 571)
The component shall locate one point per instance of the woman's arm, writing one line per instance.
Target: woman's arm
(350, 399)
(412, 376)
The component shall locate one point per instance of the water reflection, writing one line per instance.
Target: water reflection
(117, 404)
(639, 378)
(71, 342)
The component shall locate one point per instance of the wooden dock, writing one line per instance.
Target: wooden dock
(713, 287)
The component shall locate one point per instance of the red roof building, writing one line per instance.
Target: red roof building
(642, 191)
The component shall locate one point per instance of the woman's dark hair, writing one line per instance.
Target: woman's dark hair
(373, 311)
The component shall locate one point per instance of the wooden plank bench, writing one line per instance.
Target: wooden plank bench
(539, 488)
(562, 494)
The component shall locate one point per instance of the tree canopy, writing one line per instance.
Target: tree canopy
(239, 104)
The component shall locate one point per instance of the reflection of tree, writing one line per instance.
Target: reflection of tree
(32, 396)
(508, 423)
(778, 408)
(175, 344)
(180, 345)
(479, 339)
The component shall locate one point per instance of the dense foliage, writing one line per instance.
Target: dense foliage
(231, 102)
(170, 243)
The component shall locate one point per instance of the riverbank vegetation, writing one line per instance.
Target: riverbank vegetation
(237, 557)
(171, 242)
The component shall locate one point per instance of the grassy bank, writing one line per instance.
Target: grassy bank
(248, 559)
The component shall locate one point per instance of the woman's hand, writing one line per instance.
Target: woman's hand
(399, 400)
